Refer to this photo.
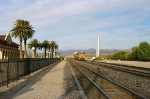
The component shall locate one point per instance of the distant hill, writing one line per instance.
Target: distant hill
(93, 51)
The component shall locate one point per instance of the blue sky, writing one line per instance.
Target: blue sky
(74, 24)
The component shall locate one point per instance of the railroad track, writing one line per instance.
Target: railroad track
(140, 71)
(107, 88)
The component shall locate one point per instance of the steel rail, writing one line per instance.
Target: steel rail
(125, 66)
(126, 69)
(142, 97)
(78, 84)
(94, 83)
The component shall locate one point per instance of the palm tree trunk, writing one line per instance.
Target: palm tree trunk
(35, 53)
(20, 47)
(45, 52)
(52, 52)
(25, 49)
(55, 52)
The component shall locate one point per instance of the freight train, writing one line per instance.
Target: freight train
(79, 55)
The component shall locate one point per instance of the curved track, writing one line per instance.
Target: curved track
(108, 88)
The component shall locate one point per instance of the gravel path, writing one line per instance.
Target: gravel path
(54, 82)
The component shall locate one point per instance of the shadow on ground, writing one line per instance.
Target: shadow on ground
(31, 79)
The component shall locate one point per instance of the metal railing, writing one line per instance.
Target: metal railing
(13, 69)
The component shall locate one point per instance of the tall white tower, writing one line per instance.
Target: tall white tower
(97, 47)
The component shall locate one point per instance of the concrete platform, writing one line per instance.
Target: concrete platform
(53, 82)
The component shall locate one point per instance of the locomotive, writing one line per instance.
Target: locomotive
(79, 55)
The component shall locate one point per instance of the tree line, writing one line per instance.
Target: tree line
(24, 30)
(141, 52)
(50, 46)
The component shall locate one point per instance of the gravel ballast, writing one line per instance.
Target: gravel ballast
(133, 63)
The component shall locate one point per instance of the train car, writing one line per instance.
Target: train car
(75, 55)
(81, 55)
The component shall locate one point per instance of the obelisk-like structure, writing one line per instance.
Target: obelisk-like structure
(97, 47)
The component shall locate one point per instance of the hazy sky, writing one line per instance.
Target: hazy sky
(74, 24)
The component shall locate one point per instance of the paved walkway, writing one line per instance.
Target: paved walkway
(49, 86)
(54, 82)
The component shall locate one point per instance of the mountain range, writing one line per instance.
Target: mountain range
(93, 51)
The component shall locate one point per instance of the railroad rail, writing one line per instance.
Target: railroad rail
(109, 88)
(140, 71)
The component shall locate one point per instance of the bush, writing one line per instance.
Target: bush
(97, 58)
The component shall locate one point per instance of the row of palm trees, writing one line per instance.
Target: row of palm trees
(24, 31)
(45, 45)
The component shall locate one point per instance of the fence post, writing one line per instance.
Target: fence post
(8, 73)
(28, 66)
(38, 63)
(25, 67)
(17, 69)
(33, 65)
(29, 61)
(44, 62)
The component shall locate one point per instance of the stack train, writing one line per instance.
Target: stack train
(79, 55)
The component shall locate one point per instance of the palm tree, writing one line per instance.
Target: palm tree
(49, 48)
(29, 34)
(22, 30)
(52, 44)
(34, 43)
(56, 48)
(45, 46)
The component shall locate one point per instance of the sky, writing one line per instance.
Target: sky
(75, 24)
